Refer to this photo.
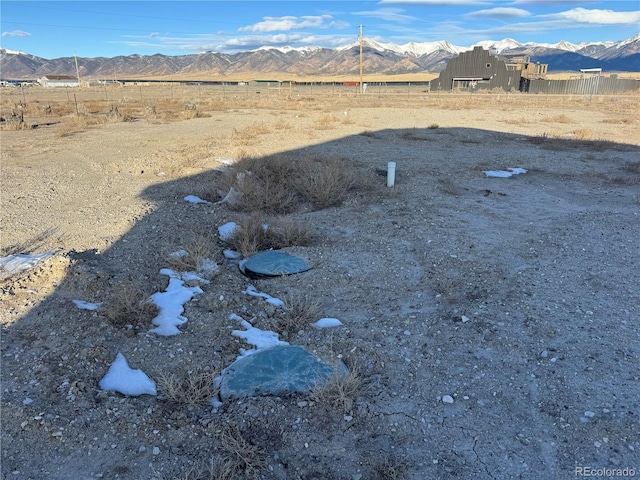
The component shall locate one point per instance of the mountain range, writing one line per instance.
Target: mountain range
(378, 58)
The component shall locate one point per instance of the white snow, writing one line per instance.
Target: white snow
(327, 323)
(227, 231)
(261, 339)
(504, 173)
(171, 303)
(194, 199)
(231, 254)
(23, 261)
(82, 305)
(121, 378)
(276, 302)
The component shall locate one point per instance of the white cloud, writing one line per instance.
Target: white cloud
(389, 14)
(154, 34)
(284, 24)
(16, 33)
(500, 12)
(599, 17)
(437, 2)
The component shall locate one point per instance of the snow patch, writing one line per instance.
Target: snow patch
(121, 378)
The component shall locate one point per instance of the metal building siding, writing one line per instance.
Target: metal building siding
(584, 86)
(479, 63)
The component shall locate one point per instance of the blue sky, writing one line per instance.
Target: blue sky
(53, 29)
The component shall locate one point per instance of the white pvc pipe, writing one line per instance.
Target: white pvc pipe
(391, 174)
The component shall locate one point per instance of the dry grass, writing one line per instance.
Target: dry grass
(390, 468)
(195, 388)
(433, 126)
(193, 254)
(518, 121)
(254, 233)
(340, 391)
(129, 305)
(583, 134)
(238, 457)
(250, 134)
(278, 184)
(263, 183)
(300, 312)
(325, 181)
(326, 122)
(620, 121)
(557, 119)
(413, 135)
(282, 124)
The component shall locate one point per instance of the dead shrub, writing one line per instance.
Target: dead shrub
(129, 305)
(282, 124)
(413, 135)
(325, 122)
(192, 255)
(249, 135)
(264, 184)
(390, 468)
(558, 119)
(286, 231)
(433, 126)
(325, 182)
(583, 134)
(194, 388)
(255, 233)
(250, 235)
(300, 312)
(239, 456)
(619, 121)
(341, 389)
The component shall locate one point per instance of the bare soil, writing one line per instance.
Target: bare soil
(517, 297)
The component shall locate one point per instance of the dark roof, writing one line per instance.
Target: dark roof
(60, 77)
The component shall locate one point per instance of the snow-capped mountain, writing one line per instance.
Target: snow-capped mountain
(378, 57)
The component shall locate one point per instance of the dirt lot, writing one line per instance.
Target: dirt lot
(518, 298)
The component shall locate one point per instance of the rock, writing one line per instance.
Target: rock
(273, 371)
(447, 399)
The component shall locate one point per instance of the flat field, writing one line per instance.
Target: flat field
(490, 324)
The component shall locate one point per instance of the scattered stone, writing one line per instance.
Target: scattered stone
(303, 404)
(273, 371)
(464, 319)
(589, 414)
(447, 399)
(348, 418)
(156, 451)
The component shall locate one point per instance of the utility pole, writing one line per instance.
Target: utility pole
(361, 59)
(77, 69)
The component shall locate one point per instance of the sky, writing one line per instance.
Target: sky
(54, 29)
